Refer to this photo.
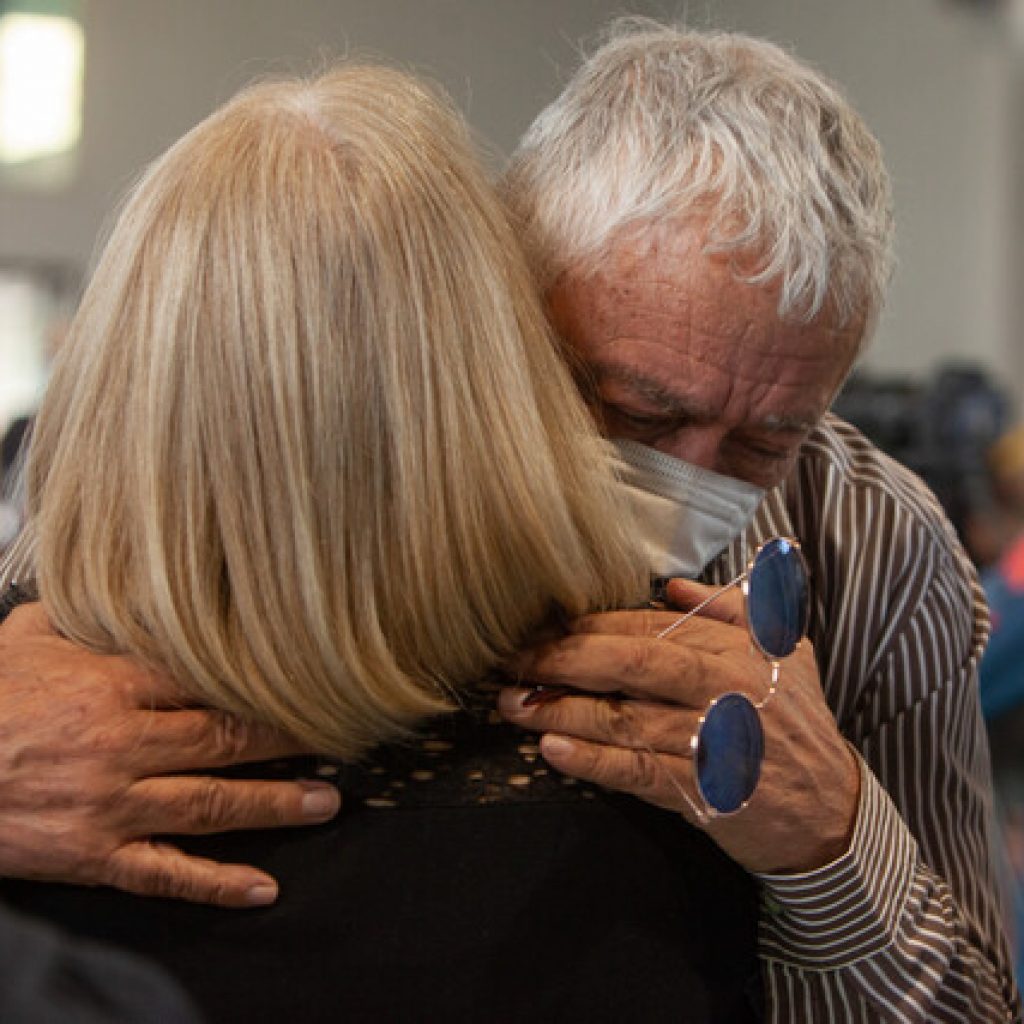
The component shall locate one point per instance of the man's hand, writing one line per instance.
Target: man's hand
(633, 705)
(88, 745)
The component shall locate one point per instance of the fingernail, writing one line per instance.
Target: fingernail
(543, 695)
(556, 746)
(511, 701)
(261, 895)
(320, 802)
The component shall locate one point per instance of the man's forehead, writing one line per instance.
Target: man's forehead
(667, 284)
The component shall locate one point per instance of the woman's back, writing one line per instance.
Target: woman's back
(462, 881)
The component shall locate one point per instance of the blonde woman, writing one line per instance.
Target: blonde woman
(310, 448)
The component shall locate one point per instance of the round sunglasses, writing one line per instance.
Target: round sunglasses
(728, 744)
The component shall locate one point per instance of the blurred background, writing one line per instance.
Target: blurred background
(92, 90)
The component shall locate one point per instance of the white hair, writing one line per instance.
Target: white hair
(663, 123)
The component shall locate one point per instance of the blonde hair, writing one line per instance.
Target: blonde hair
(664, 123)
(309, 444)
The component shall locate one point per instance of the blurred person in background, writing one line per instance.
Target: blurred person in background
(1002, 667)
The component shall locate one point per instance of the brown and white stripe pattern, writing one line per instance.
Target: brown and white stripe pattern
(907, 925)
(16, 561)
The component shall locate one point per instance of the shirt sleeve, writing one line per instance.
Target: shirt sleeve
(876, 936)
(907, 925)
(17, 560)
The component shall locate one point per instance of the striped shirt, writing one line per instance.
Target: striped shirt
(16, 561)
(907, 924)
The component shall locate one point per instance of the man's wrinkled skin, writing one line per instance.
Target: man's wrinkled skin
(677, 353)
(802, 812)
(87, 747)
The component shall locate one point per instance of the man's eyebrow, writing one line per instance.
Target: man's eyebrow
(789, 424)
(672, 405)
(676, 406)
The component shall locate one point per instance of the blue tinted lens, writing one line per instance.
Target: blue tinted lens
(777, 596)
(730, 748)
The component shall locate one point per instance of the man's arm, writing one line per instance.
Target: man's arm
(97, 756)
(916, 934)
(872, 932)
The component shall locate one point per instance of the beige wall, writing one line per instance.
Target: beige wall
(155, 67)
(941, 89)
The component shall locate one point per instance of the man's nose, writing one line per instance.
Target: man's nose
(701, 446)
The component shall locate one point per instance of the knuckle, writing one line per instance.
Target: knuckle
(551, 663)
(638, 660)
(217, 893)
(109, 799)
(592, 764)
(112, 739)
(278, 813)
(643, 770)
(124, 873)
(231, 735)
(115, 874)
(619, 721)
(183, 884)
(163, 880)
(208, 805)
(91, 866)
(168, 885)
(273, 805)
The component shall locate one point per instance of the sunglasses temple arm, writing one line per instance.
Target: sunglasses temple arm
(701, 816)
(773, 686)
(693, 611)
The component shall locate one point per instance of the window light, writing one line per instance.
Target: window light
(42, 60)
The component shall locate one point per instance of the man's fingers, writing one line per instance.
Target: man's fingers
(727, 605)
(636, 666)
(634, 622)
(704, 630)
(178, 741)
(659, 779)
(634, 724)
(186, 805)
(156, 869)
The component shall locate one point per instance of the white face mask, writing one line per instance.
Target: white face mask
(687, 515)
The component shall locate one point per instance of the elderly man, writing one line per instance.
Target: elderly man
(710, 221)
(711, 224)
